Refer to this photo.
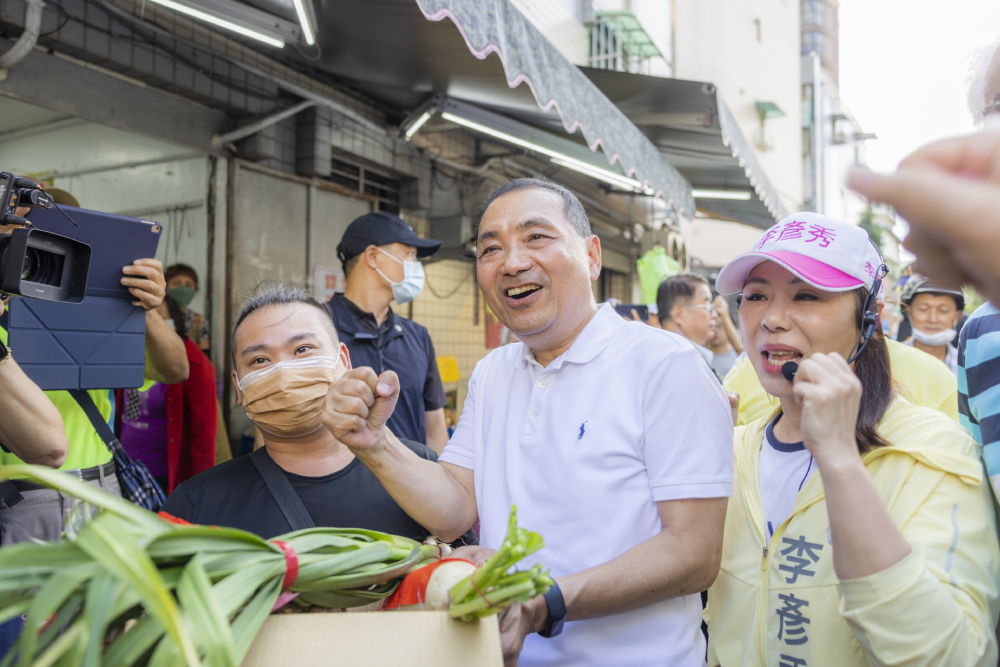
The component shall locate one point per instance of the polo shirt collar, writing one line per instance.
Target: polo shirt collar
(358, 320)
(594, 338)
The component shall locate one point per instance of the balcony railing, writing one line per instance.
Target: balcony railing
(619, 42)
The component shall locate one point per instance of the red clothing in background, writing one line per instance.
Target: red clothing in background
(191, 419)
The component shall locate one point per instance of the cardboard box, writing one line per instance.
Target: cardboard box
(411, 638)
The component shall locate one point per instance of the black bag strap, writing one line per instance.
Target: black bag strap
(96, 420)
(281, 490)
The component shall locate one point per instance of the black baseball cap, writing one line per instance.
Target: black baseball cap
(381, 229)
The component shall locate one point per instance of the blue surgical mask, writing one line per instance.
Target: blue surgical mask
(412, 283)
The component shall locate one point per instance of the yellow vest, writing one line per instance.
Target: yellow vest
(920, 378)
(781, 603)
(86, 449)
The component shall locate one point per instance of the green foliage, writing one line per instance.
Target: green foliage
(868, 223)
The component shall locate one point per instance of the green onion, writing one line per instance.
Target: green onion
(189, 594)
(130, 588)
(493, 587)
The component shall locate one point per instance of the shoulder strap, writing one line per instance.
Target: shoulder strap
(95, 417)
(291, 506)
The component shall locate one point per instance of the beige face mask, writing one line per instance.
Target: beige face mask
(286, 399)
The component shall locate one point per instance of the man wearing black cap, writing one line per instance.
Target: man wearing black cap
(379, 253)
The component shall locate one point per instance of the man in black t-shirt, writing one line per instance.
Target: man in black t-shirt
(234, 495)
(285, 354)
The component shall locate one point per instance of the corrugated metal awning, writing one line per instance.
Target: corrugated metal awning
(691, 125)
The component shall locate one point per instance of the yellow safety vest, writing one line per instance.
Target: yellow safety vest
(86, 449)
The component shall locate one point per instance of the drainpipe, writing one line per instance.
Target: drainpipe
(26, 42)
(817, 134)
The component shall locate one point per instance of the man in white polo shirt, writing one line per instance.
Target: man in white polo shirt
(613, 439)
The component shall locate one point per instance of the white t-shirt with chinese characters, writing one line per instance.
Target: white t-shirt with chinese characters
(628, 416)
(784, 469)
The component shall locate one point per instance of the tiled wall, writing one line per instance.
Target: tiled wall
(452, 321)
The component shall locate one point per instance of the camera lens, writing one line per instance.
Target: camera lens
(41, 266)
(30, 265)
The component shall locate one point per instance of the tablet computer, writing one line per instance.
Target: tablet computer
(99, 343)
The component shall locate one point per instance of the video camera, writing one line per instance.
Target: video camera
(36, 263)
(80, 329)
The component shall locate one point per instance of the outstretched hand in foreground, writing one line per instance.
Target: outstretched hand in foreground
(949, 192)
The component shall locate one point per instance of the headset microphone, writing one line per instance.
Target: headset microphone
(789, 369)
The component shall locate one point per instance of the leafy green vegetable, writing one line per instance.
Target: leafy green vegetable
(131, 588)
(492, 587)
(193, 594)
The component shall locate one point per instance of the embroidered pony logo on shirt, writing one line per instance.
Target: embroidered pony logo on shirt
(582, 430)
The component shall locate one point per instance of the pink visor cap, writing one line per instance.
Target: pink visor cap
(826, 253)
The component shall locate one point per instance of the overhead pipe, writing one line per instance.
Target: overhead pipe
(305, 93)
(220, 140)
(26, 42)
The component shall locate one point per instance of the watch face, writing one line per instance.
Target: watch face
(553, 626)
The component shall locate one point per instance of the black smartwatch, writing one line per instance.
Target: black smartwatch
(557, 613)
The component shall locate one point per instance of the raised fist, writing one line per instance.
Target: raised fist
(358, 405)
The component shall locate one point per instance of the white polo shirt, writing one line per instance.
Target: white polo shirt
(628, 416)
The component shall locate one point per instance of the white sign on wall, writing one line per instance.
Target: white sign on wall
(327, 280)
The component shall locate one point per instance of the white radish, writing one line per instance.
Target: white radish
(445, 575)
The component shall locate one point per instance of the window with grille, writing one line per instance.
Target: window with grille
(381, 185)
(812, 41)
(813, 12)
(619, 42)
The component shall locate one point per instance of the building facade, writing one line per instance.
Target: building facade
(747, 54)
(255, 157)
(833, 139)
(749, 50)
(674, 122)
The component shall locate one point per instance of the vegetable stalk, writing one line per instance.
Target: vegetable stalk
(130, 588)
(188, 594)
(493, 587)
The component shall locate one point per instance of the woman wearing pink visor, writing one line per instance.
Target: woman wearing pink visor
(861, 530)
